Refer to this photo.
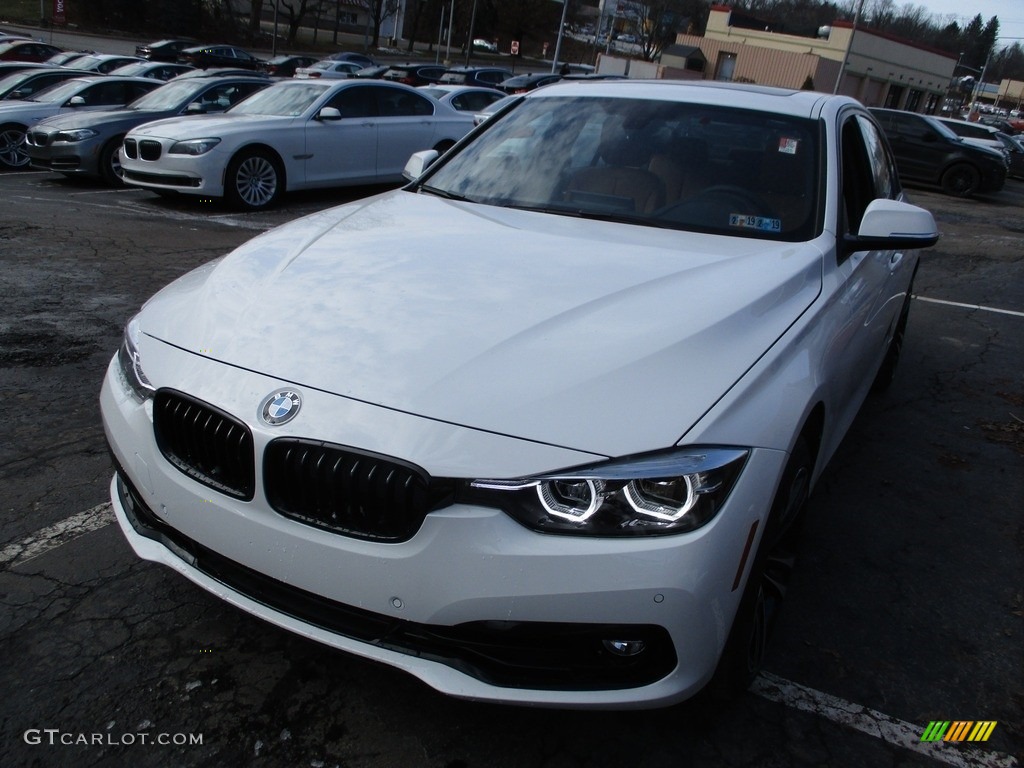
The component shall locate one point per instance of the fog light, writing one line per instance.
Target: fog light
(624, 647)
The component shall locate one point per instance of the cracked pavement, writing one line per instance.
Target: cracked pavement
(909, 599)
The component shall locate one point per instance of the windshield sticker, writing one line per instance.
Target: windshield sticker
(761, 223)
(788, 146)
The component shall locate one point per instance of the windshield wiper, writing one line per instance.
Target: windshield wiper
(443, 193)
(579, 213)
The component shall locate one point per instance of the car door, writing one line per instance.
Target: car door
(344, 150)
(870, 286)
(406, 125)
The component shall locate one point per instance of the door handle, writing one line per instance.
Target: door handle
(894, 261)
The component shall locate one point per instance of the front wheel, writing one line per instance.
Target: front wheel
(110, 163)
(748, 642)
(12, 146)
(254, 181)
(961, 180)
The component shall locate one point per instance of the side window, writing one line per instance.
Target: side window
(882, 166)
(104, 94)
(357, 101)
(393, 102)
(858, 181)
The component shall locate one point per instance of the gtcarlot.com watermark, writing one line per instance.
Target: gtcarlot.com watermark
(53, 737)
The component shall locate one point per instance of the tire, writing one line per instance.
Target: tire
(12, 146)
(444, 146)
(254, 181)
(887, 371)
(766, 587)
(110, 162)
(960, 180)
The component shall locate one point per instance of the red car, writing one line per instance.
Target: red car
(27, 50)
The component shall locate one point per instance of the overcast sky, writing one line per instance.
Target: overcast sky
(1010, 13)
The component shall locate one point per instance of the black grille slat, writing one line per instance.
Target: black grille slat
(149, 149)
(130, 149)
(206, 444)
(348, 491)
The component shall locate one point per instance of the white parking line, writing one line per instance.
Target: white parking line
(53, 536)
(889, 729)
(971, 306)
(877, 724)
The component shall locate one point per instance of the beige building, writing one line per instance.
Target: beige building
(880, 70)
(1010, 95)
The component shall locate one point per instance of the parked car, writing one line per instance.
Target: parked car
(488, 77)
(1014, 146)
(285, 66)
(77, 94)
(493, 108)
(414, 74)
(10, 67)
(588, 498)
(928, 152)
(978, 134)
(104, 63)
(158, 70)
(464, 98)
(164, 50)
(205, 56)
(356, 58)
(89, 143)
(25, 83)
(295, 134)
(27, 50)
(485, 45)
(222, 72)
(528, 82)
(329, 69)
(65, 57)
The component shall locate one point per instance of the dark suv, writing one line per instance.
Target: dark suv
(415, 74)
(928, 152)
(488, 77)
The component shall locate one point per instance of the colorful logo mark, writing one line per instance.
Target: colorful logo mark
(958, 730)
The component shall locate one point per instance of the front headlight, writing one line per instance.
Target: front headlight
(130, 362)
(193, 146)
(667, 492)
(81, 134)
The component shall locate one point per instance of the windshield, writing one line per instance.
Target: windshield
(83, 62)
(650, 162)
(58, 92)
(132, 70)
(166, 97)
(285, 100)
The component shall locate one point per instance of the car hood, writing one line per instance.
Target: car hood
(122, 117)
(192, 126)
(602, 337)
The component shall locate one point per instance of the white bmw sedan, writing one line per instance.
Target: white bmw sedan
(295, 134)
(538, 427)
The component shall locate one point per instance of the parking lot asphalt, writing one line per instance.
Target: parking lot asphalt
(907, 608)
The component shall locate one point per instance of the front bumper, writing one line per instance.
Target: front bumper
(474, 604)
(202, 175)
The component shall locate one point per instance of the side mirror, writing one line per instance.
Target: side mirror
(76, 101)
(329, 113)
(419, 163)
(892, 225)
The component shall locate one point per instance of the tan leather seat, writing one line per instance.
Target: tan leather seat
(622, 181)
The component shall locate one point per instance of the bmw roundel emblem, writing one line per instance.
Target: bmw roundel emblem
(280, 407)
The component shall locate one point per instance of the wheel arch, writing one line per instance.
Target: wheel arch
(256, 146)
